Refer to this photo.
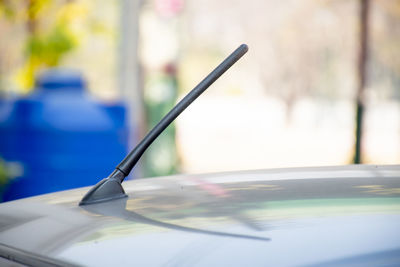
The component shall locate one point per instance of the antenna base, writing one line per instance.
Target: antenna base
(105, 190)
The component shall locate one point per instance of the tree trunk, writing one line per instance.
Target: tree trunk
(361, 76)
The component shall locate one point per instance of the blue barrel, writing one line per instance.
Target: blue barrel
(60, 137)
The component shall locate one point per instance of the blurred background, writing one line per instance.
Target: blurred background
(82, 81)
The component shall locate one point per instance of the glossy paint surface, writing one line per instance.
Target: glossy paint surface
(303, 216)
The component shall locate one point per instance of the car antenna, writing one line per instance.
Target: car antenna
(110, 188)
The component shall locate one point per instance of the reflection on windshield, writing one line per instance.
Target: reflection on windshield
(118, 209)
(200, 205)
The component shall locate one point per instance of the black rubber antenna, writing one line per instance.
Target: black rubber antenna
(110, 187)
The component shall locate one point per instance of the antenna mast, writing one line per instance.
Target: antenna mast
(110, 187)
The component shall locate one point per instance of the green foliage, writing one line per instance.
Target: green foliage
(49, 49)
(3, 178)
(50, 33)
(3, 174)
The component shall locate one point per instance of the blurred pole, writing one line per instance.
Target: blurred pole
(361, 76)
(130, 81)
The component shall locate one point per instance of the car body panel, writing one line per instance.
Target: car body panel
(299, 216)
